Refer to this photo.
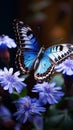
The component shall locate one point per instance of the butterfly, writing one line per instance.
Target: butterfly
(31, 56)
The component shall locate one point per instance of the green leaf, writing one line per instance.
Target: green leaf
(55, 120)
(15, 96)
(58, 78)
(24, 92)
(67, 123)
(62, 119)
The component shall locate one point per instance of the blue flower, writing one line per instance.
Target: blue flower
(4, 113)
(10, 81)
(3, 48)
(65, 67)
(48, 92)
(6, 41)
(28, 107)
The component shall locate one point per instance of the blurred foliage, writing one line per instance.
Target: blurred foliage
(69, 98)
(58, 79)
(37, 14)
(37, 6)
(61, 119)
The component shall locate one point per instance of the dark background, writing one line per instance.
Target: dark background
(8, 11)
(57, 24)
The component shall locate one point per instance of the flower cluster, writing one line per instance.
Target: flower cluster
(10, 81)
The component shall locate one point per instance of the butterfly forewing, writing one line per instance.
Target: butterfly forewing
(25, 36)
(28, 46)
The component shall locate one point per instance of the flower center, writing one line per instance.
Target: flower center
(27, 106)
(10, 78)
(47, 90)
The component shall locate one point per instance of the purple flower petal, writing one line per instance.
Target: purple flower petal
(48, 92)
(10, 43)
(65, 67)
(27, 107)
(10, 81)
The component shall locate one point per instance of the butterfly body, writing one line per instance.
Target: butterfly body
(31, 56)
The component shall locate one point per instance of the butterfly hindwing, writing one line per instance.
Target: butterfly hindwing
(51, 57)
(44, 69)
(58, 53)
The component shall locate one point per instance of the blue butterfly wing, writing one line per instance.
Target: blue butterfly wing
(52, 56)
(58, 53)
(28, 46)
(25, 36)
(29, 59)
(43, 69)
